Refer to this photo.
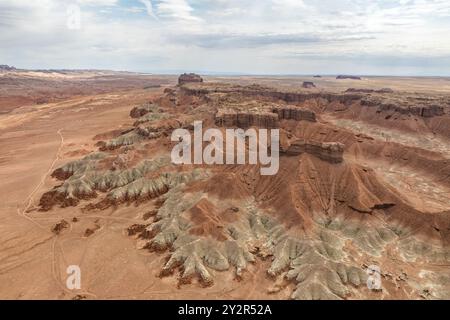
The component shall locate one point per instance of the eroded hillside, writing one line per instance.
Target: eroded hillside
(364, 180)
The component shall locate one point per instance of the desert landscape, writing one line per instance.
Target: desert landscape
(87, 180)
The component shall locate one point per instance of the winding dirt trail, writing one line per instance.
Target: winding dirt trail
(29, 200)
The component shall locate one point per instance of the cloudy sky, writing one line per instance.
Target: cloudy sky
(367, 37)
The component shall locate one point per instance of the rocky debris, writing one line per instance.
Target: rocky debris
(328, 151)
(295, 113)
(232, 118)
(382, 90)
(189, 78)
(60, 226)
(342, 77)
(308, 85)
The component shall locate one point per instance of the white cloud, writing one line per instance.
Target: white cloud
(148, 7)
(176, 9)
(98, 2)
(230, 35)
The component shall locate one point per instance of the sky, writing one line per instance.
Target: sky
(276, 37)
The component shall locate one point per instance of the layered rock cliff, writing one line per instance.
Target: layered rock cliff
(328, 151)
(295, 113)
(241, 119)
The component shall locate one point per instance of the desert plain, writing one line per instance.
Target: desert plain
(86, 180)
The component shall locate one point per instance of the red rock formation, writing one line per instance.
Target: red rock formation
(232, 118)
(189, 78)
(295, 113)
(426, 111)
(271, 94)
(327, 151)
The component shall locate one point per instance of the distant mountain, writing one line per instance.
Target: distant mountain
(5, 67)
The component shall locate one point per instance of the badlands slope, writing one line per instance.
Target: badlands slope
(364, 180)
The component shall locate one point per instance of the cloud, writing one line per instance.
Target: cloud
(148, 7)
(176, 9)
(239, 35)
(223, 40)
(98, 2)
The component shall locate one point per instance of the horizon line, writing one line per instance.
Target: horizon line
(224, 73)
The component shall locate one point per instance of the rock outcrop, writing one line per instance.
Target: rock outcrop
(189, 78)
(258, 92)
(426, 111)
(328, 151)
(240, 119)
(308, 85)
(295, 113)
(430, 111)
